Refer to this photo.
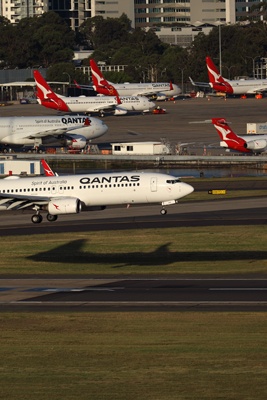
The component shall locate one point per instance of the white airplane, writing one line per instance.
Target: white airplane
(239, 86)
(67, 130)
(90, 104)
(68, 194)
(162, 90)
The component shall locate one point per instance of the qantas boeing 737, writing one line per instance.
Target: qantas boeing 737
(162, 90)
(239, 86)
(244, 144)
(59, 195)
(91, 104)
(67, 130)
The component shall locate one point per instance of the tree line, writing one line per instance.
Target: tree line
(48, 41)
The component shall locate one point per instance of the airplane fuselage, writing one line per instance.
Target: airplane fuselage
(24, 130)
(130, 89)
(96, 189)
(97, 103)
(241, 86)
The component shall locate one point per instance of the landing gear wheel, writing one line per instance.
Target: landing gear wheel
(101, 115)
(37, 219)
(163, 211)
(51, 217)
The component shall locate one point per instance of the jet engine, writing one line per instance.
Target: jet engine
(161, 96)
(256, 144)
(66, 205)
(76, 141)
(120, 111)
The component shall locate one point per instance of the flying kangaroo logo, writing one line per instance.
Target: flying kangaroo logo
(48, 172)
(100, 81)
(57, 207)
(225, 132)
(44, 91)
(214, 74)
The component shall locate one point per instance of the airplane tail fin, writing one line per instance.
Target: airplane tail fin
(47, 169)
(98, 79)
(43, 89)
(87, 122)
(214, 75)
(226, 134)
(171, 87)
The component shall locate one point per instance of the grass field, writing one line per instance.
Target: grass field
(159, 356)
(218, 249)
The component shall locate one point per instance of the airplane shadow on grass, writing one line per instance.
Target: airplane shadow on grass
(72, 253)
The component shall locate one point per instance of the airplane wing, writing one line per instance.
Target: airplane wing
(19, 202)
(200, 84)
(258, 89)
(56, 132)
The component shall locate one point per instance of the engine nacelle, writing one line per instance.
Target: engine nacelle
(76, 141)
(120, 111)
(161, 96)
(66, 205)
(256, 144)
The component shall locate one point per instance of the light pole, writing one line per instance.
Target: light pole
(253, 59)
(66, 73)
(229, 69)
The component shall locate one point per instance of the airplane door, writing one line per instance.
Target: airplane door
(153, 184)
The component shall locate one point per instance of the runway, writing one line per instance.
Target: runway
(135, 294)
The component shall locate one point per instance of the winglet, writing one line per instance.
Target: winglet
(171, 87)
(118, 99)
(77, 84)
(87, 122)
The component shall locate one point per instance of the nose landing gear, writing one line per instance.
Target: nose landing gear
(163, 211)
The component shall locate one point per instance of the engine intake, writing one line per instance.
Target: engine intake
(256, 144)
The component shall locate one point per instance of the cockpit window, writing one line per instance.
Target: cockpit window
(173, 181)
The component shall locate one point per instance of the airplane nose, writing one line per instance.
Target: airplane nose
(152, 105)
(187, 189)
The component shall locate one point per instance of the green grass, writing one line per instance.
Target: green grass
(157, 356)
(217, 249)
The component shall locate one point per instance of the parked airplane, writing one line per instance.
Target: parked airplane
(244, 144)
(101, 85)
(239, 86)
(91, 104)
(67, 194)
(66, 130)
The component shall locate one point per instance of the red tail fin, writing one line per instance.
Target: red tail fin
(43, 89)
(98, 79)
(171, 87)
(214, 75)
(45, 94)
(232, 141)
(47, 169)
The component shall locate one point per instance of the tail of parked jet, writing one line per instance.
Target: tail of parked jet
(214, 75)
(47, 169)
(45, 95)
(101, 85)
(229, 138)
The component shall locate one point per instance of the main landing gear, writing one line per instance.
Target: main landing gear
(163, 211)
(37, 218)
